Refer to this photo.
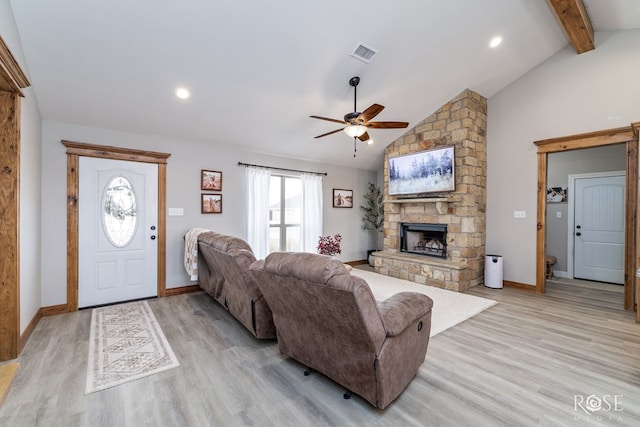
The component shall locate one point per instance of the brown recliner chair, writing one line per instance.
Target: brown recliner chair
(328, 320)
(223, 272)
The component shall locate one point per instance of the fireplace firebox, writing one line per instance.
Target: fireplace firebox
(424, 239)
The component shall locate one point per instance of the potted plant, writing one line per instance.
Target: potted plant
(373, 215)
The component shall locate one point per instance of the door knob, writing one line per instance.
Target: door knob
(153, 227)
(578, 234)
(578, 227)
(153, 237)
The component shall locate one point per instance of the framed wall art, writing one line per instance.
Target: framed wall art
(211, 203)
(556, 194)
(342, 198)
(210, 180)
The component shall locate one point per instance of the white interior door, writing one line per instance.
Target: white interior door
(599, 228)
(117, 227)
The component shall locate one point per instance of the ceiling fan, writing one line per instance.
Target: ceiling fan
(357, 124)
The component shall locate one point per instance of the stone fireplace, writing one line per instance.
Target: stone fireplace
(462, 123)
(424, 239)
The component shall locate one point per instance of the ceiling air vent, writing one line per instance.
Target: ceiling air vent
(364, 53)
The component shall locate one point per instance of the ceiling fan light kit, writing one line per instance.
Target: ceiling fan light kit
(355, 130)
(357, 124)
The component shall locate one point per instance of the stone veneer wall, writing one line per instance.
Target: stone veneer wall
(462, 123)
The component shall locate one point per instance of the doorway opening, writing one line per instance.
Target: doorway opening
(627, 136)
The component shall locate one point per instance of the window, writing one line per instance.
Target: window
(285, 213)
(119, 214)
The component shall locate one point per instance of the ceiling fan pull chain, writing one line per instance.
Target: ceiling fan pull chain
(355, 146)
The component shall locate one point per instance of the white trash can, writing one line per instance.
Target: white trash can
(493, 271)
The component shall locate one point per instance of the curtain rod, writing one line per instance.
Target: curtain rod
(281, 169)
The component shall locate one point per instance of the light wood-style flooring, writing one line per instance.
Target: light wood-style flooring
(519, 363)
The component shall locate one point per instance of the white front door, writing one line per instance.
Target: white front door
(599, 228)
(117, 228)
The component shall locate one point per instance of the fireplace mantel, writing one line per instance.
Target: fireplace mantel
(420, 200)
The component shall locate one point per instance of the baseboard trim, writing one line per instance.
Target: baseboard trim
(24, 336)
(52, 310)
(42, 312)
(516, 285)
(171, 292)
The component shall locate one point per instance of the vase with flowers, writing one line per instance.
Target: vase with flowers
(329, 245)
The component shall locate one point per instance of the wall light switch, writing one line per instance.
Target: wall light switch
(519, 214)
(558, 214)
(176, 212)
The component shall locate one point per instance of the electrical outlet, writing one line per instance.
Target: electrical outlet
(519, 214)
(176, 212)
(558, 214)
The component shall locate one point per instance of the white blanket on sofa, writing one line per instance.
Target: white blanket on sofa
(191, 252)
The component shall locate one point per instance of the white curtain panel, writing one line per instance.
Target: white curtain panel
(311, 228)
(256, 231)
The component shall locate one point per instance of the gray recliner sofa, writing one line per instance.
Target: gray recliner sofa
(329, 320)
(223, 272)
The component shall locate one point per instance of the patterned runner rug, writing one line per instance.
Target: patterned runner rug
(126, 343)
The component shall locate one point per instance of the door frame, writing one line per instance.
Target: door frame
(12, 80)
(626, 135)
(74, 151)
(571, 213)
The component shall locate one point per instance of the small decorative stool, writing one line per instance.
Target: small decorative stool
(550, 261)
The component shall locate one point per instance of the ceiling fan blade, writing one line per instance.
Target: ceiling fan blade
(329, 120)
(328, 133)
(370, 112)
(387, 125)
(364, 137)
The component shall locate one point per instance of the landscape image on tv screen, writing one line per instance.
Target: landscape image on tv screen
(430, 171)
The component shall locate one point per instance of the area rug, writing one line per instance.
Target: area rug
(449, 308)
(126, 344)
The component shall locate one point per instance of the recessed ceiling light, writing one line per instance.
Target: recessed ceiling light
(495, 42)
(182, 93)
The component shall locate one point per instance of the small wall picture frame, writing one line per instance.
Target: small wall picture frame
(342, 198)
(557, 195)
(210, 180)
(211, 203)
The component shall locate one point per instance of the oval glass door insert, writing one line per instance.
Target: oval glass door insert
(119, 215)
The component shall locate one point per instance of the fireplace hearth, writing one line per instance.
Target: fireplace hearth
(424, 239)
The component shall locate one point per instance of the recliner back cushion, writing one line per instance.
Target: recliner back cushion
(225, 243)
(307, 266)
(318, 295)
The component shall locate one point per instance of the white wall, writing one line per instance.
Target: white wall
(183, 191)
(30, 173)
(567, 94)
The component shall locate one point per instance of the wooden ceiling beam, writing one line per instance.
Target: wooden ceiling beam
(573, 17)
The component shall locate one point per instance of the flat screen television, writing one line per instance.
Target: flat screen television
(422, 173)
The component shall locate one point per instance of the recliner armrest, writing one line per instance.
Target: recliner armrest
(402, 309)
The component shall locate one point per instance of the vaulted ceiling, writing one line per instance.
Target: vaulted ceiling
(257, 70)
